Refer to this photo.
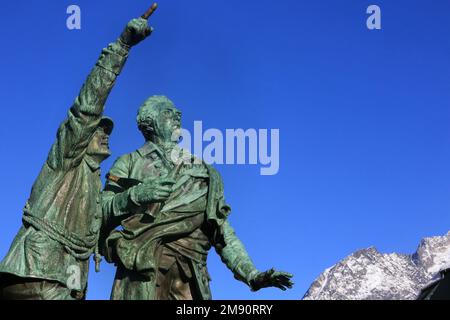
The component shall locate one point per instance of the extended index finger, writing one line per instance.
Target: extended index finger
(150, 11)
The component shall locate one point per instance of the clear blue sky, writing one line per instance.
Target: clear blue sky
(363, 116)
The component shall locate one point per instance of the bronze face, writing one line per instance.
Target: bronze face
(168, 124)
(99, 145)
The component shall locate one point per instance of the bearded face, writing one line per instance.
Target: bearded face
(168, 124)
(159, 120)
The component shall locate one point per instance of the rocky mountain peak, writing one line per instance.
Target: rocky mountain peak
(369, 274)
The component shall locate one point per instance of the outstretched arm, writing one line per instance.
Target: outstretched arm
(236, 258)
(84, 116)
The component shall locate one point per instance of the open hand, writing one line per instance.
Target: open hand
(272, 278)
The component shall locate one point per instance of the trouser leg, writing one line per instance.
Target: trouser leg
(17, 288)
(130, 285)
(172, 285)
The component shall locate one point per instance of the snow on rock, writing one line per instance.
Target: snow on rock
(370, 275)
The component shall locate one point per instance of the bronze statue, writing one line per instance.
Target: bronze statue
(171, 213)
(62, 218)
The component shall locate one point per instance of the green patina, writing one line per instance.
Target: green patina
(62, 217)
(158, 229)
(189, 220)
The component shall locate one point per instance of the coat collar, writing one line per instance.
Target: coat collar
(94, 165)
(148, 148)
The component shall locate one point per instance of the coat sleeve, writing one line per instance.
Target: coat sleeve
(235, 256)
(75, 133)
(117, 201)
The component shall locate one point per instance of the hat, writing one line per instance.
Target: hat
(107, 123)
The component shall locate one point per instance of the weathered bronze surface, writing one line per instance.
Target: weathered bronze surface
(163, 255)
(62, 217)
(171, 212)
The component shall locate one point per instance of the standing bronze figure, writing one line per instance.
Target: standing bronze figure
(171, 214)
(49, 257)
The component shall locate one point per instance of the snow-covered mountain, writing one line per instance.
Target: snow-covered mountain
(370, 275)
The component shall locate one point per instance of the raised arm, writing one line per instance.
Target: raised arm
(85, 114)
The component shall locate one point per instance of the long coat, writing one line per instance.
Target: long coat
(135, 247)
(62, 217)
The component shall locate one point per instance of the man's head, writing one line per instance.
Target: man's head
(159, 119)
(99, 145)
